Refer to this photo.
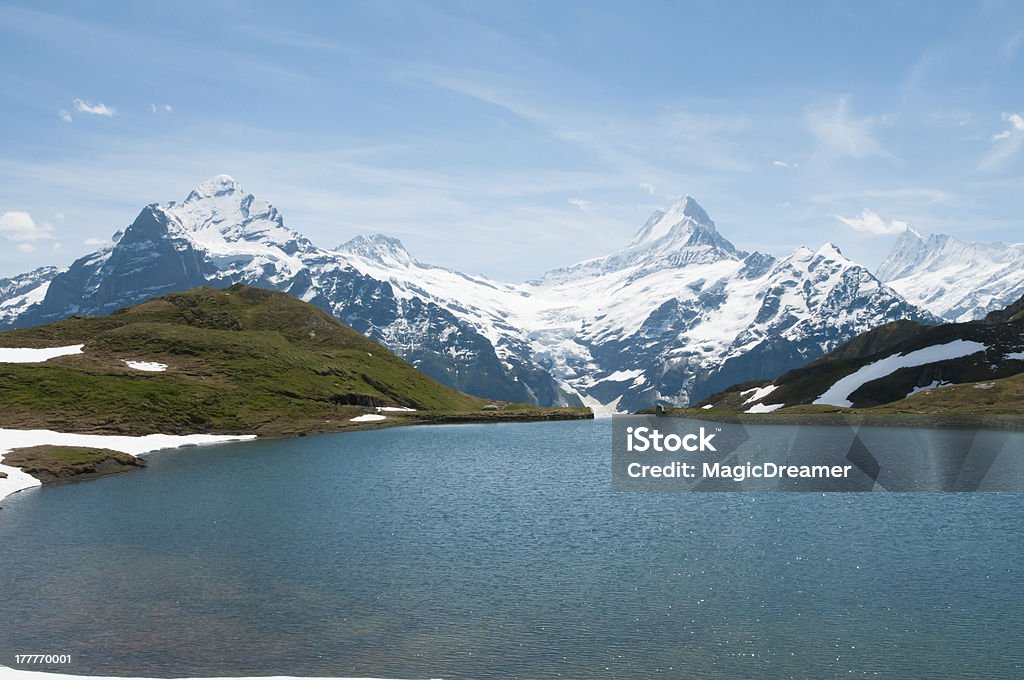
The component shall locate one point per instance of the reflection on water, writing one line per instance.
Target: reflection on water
(499, 551)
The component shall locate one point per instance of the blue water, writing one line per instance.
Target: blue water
(499, 551)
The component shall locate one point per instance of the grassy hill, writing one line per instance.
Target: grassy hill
(241, 360)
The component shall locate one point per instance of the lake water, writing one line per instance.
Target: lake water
(499, 551)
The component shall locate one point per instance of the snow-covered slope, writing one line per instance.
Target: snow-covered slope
(18, 293)
(955, 280)
(677, 313)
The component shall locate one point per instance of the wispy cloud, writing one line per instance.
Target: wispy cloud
(19, 226)
(843, 134)
(100, 109)
(584, 205)
(65, 115)
(1005, 143)
(871, 223)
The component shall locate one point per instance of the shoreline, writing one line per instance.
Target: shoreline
(17, 480)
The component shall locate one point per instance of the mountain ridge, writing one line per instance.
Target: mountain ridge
(677, 313)
(954, 279)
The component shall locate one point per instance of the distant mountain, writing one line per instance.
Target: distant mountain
(676, 314)
(955, 280)
(975, 367)
(18, 293)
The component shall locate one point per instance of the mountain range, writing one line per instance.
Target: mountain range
(677, 314)
(955, 280)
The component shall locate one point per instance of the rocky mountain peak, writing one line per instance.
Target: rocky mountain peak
(216, 186)
(379, 248)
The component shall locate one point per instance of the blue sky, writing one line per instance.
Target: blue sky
(510, 138)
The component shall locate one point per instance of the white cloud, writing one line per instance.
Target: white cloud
(871, 223)
(780, 164)
(26, 248)
(845, 135)
(100, 109)
(65, 116)
(19, 226)
(1006, 143)
(167, 108)
(57, 247)
(97, 242)
(583, 205)
(649, 188)
(152, 108)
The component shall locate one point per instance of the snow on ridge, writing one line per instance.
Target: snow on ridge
(838, 394)
(25, 355)
(759, 393)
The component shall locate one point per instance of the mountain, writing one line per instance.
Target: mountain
(20, 292)
(955, 280)
(241, 360)
(678, 313)
(220, 235)
(970, 367)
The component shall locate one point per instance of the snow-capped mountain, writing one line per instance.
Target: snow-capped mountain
(955, 280)
(678, 313)
(18, 293)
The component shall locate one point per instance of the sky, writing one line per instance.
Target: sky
(512, 138)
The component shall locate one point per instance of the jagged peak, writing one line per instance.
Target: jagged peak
(379, 248)
(688, 206)
(685, 215)
(218, 185)
(830, 250)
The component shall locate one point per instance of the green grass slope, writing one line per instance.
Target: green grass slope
(240, 360)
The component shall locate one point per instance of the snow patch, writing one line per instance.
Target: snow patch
(707, 406)
(925, 388)
(136, 446)
(367, 418)
(838, 394)
(25, 355)
(759, 393)
(763, 408)
(150, 366)
(397, 409)
(1015, 356)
